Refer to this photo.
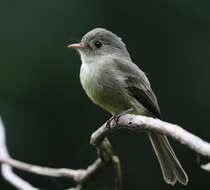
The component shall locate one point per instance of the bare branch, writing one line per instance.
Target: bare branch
(140, 123)
(78, 175)
(105, 152)
(206, 167)
(81, 176)
(6, 170)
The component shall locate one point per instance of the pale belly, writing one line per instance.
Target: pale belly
(105, 90)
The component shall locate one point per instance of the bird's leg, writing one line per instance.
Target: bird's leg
(116, 117)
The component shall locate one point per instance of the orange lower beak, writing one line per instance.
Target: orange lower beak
(76, 46)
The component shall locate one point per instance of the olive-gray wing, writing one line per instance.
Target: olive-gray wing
(144, 95)
(138, 85)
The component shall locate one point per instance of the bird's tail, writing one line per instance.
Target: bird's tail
(171, 168)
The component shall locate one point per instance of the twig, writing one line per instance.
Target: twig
(82, 176)
(6, 169)
(140, 123)
(105, 153)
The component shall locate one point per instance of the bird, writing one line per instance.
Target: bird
(114, 82)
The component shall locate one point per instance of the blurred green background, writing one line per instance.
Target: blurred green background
(49, 118)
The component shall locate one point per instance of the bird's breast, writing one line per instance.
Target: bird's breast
(103, 88)
(89, 77)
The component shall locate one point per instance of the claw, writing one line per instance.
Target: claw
(108, 123)
(116, 118)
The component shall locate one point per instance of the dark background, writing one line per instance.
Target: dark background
(49, 118)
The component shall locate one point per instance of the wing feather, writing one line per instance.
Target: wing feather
(138, 86)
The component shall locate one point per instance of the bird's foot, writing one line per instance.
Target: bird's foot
(116, 118)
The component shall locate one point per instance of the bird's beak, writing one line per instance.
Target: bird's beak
(76, 46)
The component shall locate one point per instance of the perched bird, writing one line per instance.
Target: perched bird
(114, 82)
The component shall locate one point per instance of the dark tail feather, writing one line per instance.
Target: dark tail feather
(171, 168)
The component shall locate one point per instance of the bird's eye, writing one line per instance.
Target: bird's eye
(98, 44)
